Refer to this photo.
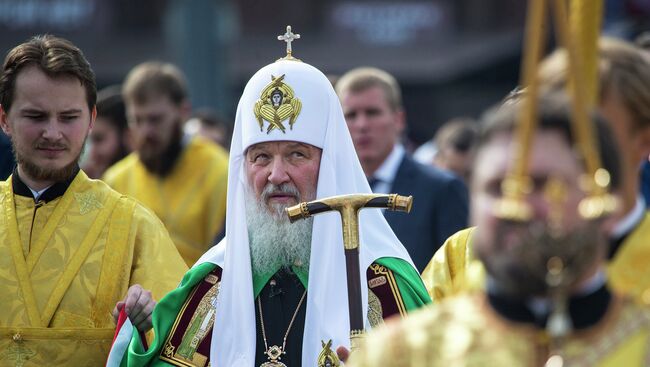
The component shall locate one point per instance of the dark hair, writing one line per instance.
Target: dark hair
(110, 106)
(553, 114)
(212, 118)
(154, 78)
(459, 134)
(55, 57)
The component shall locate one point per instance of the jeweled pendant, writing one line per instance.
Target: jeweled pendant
(274, 353)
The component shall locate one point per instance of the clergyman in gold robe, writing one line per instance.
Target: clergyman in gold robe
(72, 250)
(182, 179)
(624, 75)
(513, 320)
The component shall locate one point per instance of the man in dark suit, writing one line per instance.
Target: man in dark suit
(372, 105)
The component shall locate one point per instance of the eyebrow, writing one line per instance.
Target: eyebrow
(254, 148)
(31, 110)
(71, 111)
(36, 110)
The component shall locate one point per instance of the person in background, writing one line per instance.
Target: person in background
(210, 125)
(109, 136)
(455, 142)
(372, 105)
(182, 179)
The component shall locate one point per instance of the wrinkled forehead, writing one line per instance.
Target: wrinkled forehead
(302, 114)
(281, 146)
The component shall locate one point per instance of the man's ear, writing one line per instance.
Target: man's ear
(4, 122)
(400, 117)
(93, 117)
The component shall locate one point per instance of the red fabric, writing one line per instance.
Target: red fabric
(120, 321)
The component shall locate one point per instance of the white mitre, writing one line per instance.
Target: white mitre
(320, 122)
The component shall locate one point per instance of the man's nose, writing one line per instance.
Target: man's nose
(278, 174)
(361, 121)
(540, 206)
(51, 130)
(148, 129)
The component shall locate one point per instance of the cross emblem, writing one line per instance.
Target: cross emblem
(18, 352)
(87, 202)
(288, 37)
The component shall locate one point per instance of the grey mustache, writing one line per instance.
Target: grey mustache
(271, 189)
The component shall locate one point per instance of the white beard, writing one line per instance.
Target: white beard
(274, 241)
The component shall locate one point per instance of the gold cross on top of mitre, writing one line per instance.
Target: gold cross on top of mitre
(289, 37)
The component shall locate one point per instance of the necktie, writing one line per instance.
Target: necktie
(373, 181)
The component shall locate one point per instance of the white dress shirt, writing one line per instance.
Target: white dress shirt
(385, 174)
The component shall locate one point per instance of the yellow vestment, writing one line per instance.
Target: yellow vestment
(190, 200)
(465, 331)
(65, 264)
(454, 269)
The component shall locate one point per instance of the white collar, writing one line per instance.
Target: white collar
(388, 169)
(630, 220)
(541, 306)
(37, 194)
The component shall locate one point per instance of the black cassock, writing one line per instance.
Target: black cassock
(280, 297)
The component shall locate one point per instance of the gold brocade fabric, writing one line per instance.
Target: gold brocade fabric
(447, 273)
(454, 270)
(464, 331)
(190, 200)
(629, 271)
(65, 264)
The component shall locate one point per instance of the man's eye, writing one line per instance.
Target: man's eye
(155, 120)
(68, 118)
(298, 154)
(261, 157)
(373, 112)
(36, 117)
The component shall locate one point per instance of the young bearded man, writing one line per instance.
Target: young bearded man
(70, 247)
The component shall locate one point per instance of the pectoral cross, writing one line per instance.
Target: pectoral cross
(288, 37)
(19, 353)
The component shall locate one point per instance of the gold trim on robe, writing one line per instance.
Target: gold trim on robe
(465, 331)
(65, 263)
